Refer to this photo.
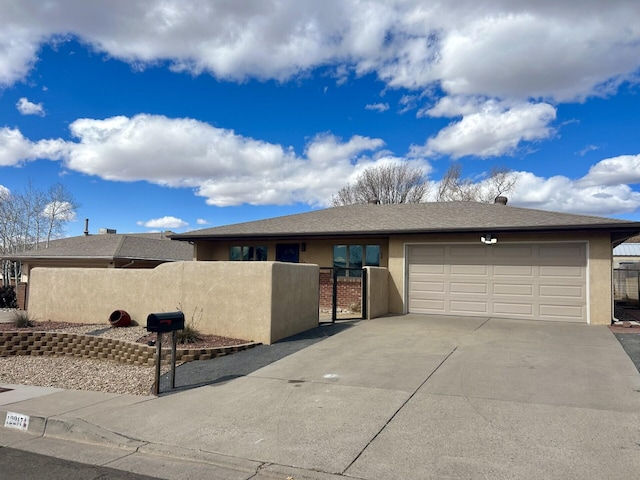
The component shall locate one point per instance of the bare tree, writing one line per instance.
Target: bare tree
(500, 181)
(387, 184)
(60, 208)
(30, 218)
(453, 187)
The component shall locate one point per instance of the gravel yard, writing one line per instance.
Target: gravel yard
(90, 374)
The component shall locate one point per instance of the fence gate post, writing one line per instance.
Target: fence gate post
(334, 295)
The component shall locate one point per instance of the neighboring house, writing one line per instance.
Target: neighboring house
(447, 258)
(627, 254)
(107, 250)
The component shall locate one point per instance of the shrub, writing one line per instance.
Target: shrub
(190, 334)
(8, 297)
(22, 319)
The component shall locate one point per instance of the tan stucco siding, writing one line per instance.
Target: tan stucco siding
(90, 263)
(258, 301)
(317, 252)
(377, 292)
(600, 271)
(599, 265)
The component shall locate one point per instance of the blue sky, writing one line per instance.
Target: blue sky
(189, 114)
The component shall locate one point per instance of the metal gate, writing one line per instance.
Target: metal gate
(626, 286)
(342, 294)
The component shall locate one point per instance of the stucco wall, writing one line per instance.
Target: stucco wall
(377, 292)
(599, 265)
(319, 252)
(256, 301)
(600, 276)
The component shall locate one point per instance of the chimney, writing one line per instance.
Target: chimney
(86, 227)
(500, 200)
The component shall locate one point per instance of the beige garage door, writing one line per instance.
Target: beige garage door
(545, 281)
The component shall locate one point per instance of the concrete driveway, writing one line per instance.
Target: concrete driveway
(413, 397)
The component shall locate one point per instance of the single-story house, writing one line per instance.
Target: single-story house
(447, 258)
(104, 250)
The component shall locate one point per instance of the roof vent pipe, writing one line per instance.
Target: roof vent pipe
(500, 200)
(86, 227)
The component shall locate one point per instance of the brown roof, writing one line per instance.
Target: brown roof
(411, 218)
(111, 246)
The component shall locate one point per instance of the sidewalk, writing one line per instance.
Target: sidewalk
(396, 397)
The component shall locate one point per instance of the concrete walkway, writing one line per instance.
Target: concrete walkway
(394, 398)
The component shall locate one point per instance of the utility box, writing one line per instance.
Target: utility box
(165, 322)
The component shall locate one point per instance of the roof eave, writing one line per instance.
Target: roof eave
(614, 227)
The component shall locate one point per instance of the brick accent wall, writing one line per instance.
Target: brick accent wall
(21, 295)
(58, 344)
(349, 291)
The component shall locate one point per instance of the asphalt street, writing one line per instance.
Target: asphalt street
(631, 344)
(22, 465)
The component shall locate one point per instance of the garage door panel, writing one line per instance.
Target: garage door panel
(469, 287)
(513, 270)
(513, 309)
(475, 251)
(510, 252)
(428, 306)
(567, 251)
(537, 281)
(562, 312)
(561, 271)
(418, 287)
(563, 291)
(427, 251)
(466, 270)
(513, 289)
(469, 306)
(427, 269)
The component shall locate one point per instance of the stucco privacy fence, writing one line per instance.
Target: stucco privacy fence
(256, 301)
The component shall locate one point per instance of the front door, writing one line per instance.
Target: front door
(288, 252)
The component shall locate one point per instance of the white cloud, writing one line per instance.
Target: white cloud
(490, 128)
(525, 53)
(202, 221)
(25, 107)
(496, 48)
(164, 222)
(59, 210)
(16, 149)
(229, 169)
(224, 167)
(380, 107)
(562, 194)
(614, 171)
(587, 149)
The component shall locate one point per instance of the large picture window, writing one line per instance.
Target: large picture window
(355, 256)
(245, 253)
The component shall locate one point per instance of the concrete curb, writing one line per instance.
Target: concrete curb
(77, 431)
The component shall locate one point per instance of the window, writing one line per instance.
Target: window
(288, 252)
(351, 256)
(244, 253)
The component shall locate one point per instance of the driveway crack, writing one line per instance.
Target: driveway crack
(390, 419)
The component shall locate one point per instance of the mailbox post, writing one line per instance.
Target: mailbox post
(163, 323)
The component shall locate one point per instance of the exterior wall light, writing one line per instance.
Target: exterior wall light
(488, 239)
